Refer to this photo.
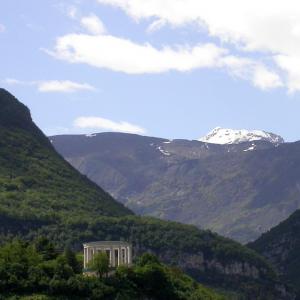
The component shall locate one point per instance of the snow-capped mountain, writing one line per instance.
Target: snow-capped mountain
(231, 136)
(189, 181)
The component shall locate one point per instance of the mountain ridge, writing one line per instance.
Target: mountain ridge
(238, 190)
(42, 195)
(36, 170)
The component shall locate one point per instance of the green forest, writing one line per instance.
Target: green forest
(41, 195)
(38, 270)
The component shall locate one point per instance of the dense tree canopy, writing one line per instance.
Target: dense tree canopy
(26, 270)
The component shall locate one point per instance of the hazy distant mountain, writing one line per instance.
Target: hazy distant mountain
(238, 190)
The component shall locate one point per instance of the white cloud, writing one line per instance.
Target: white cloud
(97, 123)
(2, 28)
(291, 64)
(271, 28)
(257, 24)
(63, 86)
(251, 70)
(266, 79)
(93, 24)
(123, 55)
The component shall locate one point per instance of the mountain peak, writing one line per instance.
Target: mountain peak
(16, 115)
(13, 113)
(232, 136)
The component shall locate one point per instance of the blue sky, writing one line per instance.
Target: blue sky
(153, 67)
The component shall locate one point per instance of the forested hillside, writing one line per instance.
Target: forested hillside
(40, 272)
(281, 246)
(41, 194)
(35, 182)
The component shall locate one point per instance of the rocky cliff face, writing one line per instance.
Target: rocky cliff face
(252, 277)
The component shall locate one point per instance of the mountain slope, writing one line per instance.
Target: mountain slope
(35, 180)
(281, 246)
(42, 195)
(238, 190)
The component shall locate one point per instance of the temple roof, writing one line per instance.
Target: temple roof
(106, 243)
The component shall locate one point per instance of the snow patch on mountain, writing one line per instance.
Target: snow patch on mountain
(251, 148)
(90, 135)
(163, 151)
(231, 136)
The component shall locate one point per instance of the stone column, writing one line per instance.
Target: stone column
(111, 256)
(84, 258)
(122, 256)
(87, 255)
(125, 256)
(129, 255)
(113, 261)
(119, 256)
(92, 253)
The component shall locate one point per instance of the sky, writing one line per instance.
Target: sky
(165, 68)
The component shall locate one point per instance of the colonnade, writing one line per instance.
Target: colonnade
(119, 253)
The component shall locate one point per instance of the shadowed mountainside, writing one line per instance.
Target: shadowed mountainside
(238, 190)
(281, 246)
(41, 194)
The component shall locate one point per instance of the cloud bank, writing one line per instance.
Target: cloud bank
(123, 55)
(260, 40)
(271, 28)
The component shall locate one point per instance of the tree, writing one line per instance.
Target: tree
(45, 248)
(72, 260)
(100, 264)
(147, 259)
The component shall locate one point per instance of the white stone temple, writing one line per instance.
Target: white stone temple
(119, 253)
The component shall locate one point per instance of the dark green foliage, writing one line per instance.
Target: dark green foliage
(174, 244)
(35, 182)
(14, 114)
(25, 270)
(147, 259)
(99, 264)
(72, 260)
(42, 195)
(45, 248)
(156, 281)
(281, 246)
